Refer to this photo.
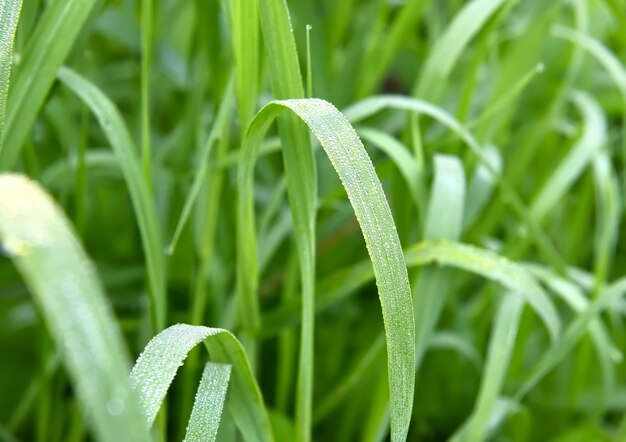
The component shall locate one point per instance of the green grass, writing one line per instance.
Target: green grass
(384, 220)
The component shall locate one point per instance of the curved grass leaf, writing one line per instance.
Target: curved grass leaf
(365, 193)
(609, 207)
(207, 407)
(158, 363)
(122, 144)
(36, 234)
(44, 54)
(492, 266)
(9, 16)
(611, 63)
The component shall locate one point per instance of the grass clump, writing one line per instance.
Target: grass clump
(452, 273)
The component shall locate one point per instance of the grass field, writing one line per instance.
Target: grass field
(382, 219)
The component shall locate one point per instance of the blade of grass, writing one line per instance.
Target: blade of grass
(481, 186)
(9, 16)
(365, 193)
(44, 54)
(501, 345)
(245, 30)
(299, 162)
(444, 221)
(158, 363)
(62, 279)
(223, 117)
(447, 49)
(147, 46)
(606, 58)
(207, 407)
(608, 210)
(116, 132)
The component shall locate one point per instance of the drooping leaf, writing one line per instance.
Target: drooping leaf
(365, 193)
(38, 237)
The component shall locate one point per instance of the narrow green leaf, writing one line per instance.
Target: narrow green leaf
(37, 235)
(245, 29)
(491, 266)
(499, 354)
(222, 118)
(44, 54)
(609, 61)
(448, 47)
(9, 16)
(365, 193)
(444, 221)
(608, 211)
(299, 162)
(481, 186)
(158, 363)
(122, 144)
(207, 407)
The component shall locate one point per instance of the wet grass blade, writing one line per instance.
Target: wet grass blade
(9, 16)
(209, 403)
(365, 193)
(157, 365)
(38, 237)
(44, 54)
(122, 144)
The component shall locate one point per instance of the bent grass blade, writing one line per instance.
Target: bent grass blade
(122, 144)
(158, 363)
(366, 195)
